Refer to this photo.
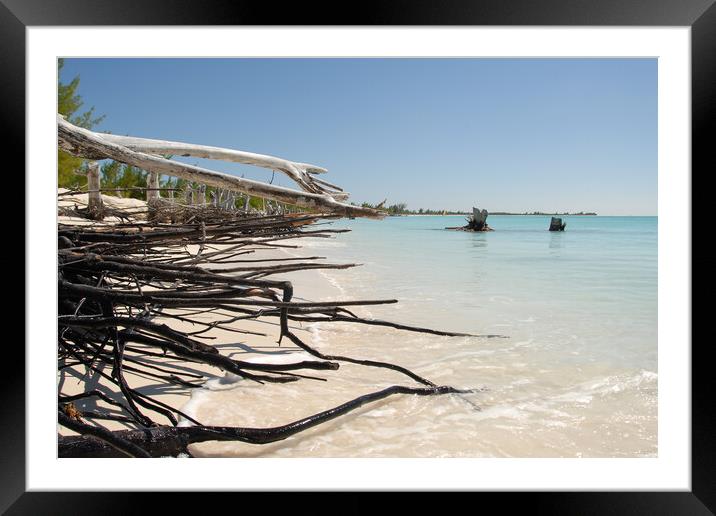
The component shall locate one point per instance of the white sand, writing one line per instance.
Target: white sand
(136, 207)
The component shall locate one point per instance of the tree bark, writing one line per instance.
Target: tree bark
(153, 187)
(95, 205)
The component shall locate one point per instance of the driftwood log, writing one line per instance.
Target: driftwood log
(317, 194)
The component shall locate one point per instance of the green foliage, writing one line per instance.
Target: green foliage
(256, 203)
(133, 177)
(402, 209)
(175, 183)
(66, 166)
(110, 172)
(123, 178)
(398, 209)
(69, 103)
(393, 209)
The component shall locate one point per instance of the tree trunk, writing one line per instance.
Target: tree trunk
(556, 224)
(152, 186)
(96, 208)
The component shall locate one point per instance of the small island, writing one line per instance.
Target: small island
(576, 214)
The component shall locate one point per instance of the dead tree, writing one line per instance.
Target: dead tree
(556, 224)
(317, 194)
(476, 222)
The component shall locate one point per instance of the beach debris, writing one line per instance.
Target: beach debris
(475, 222)
(125, 294)
(556, 224)
(71, 411)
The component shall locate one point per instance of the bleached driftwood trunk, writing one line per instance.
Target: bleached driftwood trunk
(152, 186)
(94, 201)
(479, 218)
(317, 195)
(299, 172)
(202, 195)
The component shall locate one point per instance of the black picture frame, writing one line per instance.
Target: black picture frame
(700, 15)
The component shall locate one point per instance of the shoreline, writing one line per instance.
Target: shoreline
(534, 402)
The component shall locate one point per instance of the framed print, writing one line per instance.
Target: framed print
(539, 340)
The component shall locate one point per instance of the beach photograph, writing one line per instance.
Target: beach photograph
(357, 257)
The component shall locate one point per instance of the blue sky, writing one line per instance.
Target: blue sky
(502, 134)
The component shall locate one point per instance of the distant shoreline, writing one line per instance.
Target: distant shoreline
(580, 214)
(495, 213)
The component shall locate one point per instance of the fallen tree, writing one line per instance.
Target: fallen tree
(317, 194)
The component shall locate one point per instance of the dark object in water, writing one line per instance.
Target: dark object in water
(556, 224)
(477, 222)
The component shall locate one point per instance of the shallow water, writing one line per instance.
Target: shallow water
(577, 375)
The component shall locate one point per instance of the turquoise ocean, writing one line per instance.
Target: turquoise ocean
(575, 375)
(589, 292)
